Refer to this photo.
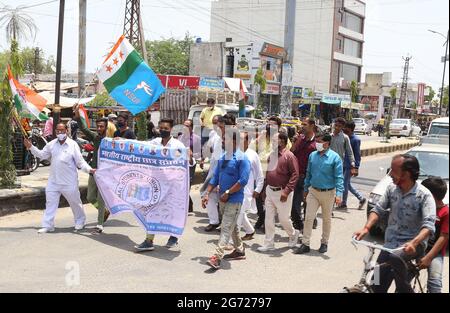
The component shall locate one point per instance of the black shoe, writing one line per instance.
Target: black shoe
(211, 227)
(362, 203)
(259, 224)
(323, 248)
(302, 250)
(342, 208)
(235, 255)
(315, 223)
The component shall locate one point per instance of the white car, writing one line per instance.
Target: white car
(403, 127)
(433, 160)
(362, 127)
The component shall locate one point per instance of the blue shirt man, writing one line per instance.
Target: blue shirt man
(355, 142)
(325, 172)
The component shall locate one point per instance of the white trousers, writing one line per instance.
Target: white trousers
(212, 207)
(244, 222)
(273, 207)
(72, 196)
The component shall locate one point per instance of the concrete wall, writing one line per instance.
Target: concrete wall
(206, 59)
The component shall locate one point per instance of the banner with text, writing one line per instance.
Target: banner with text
(150, 181)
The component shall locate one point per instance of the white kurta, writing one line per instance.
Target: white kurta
(255, 182)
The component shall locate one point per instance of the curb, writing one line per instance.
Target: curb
(388, 149)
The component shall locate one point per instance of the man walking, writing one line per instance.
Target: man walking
(93, 195)
(252, 190)
(302, 149)
(166, 140)
(340, 143)
(355, 142)
(281, 180)
(214, 147)
(231, 177)
(63, 180)
(193, 143)
(324, 185)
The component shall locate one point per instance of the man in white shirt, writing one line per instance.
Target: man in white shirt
(63, 180)
(166, 140)
(214, 146)
(252, 190)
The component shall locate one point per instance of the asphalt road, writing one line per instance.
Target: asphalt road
(69, 262)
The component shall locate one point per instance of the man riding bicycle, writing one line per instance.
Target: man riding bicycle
(411, 222)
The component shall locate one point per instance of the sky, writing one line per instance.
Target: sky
(393, 29)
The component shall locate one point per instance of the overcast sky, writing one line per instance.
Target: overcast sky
(394, 28)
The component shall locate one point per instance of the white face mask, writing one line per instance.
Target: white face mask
(62, 137)
(320, 147)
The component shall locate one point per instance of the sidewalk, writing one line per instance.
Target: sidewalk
(32, 194)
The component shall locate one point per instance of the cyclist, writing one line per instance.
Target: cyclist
(411, 223)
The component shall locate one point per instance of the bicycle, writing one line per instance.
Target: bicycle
(371, 266)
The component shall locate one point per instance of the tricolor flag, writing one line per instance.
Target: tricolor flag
(128, 79)
(27, 102)
(84, 115)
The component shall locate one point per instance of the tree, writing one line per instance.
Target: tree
(431, 95)
(260, 85)
(354, 94)
(102, 100)
(170, 56)
(18, 25)
(393, 93)
(32, 63)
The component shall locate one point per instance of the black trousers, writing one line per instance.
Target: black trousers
(297, 204)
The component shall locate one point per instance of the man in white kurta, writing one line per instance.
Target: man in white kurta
(66, 159)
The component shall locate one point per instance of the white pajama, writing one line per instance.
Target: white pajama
(212, 207)
(72, 196)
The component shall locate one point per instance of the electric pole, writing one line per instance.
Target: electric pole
(404, 89)
(82, 48)
(56, 107)
(289, 40)
(134, 32)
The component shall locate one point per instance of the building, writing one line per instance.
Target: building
(329, 36)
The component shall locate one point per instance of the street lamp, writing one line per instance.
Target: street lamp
(445, 67)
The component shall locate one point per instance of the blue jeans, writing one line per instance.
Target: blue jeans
(434, 284)
(348, 187)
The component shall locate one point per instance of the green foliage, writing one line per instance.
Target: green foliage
(430, 97)
(354, 91)
(260, 79)
(170, 56)
(27, 56)
(7, 169)
(445, 97)
(102, 100)
(141, 121)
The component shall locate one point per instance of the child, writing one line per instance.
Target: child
(434, 259)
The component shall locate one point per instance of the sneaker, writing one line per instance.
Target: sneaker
(211, 227)
(294, 239)
(362, 203)
(145, 246)
(323, 248)
(235, 255)
(302, 250)
(266, 248)
(248, 237)
(79, 227)
(172, 242)
(98, 230)
(214, 262)
(46, 230)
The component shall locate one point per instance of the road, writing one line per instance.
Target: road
(107, 263)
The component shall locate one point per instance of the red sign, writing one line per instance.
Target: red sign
(273, 51)
(272, 89)
(179, 82)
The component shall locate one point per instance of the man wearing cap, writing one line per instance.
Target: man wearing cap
(112, 120)
(324, 186)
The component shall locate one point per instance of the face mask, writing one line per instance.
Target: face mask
(164, 133)
(320, 147)
(120, 124)
(62, 137)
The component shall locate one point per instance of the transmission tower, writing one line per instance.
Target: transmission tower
(132, 28)
(404, 90)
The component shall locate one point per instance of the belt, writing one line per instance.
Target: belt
(275, 188)
(323, 190)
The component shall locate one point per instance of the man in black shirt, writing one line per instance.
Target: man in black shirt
(123, 131)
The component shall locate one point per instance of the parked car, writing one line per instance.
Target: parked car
(402, 127)
(433, 160)
(439, 127)
(362, 127)
(196, 110)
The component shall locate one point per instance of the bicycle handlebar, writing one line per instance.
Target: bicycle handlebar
(374, 245)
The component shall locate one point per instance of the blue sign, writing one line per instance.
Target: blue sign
(212, 83)
(297, 92)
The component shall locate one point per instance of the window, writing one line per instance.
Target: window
(353, 22)
(352, 47)
(349, 72)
